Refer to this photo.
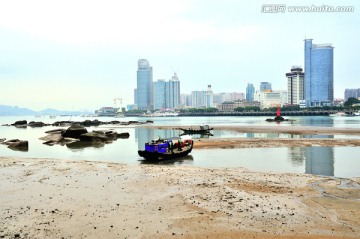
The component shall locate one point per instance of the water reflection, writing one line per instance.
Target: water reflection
(318, 160)
(81, 145)
(183, 160)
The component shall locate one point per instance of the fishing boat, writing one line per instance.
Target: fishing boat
(165, 149)
(204, 129)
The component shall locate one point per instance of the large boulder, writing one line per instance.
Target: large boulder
(36, 124)
(74, 131)
(93, 137)
(20, 122)
(123, 135)
(62, 123)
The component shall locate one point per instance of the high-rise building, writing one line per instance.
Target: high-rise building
(159, 94)
(265, 86)
(209, 97)
(198, 99)
(354, 93)
(202, 99)
(296, 85)
(144, 98)
(172, 92)
(167, 93)
(319, 74)
(250, 91)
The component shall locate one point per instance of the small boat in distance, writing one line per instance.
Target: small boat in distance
(165, 149)
(204, 129)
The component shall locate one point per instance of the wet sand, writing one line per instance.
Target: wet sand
(273, 128)
(47, 198)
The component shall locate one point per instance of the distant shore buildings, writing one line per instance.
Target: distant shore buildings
(250, 91)
(354, 93)
(265, 86)
(312, 86)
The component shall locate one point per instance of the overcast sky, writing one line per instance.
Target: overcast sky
(73, 55)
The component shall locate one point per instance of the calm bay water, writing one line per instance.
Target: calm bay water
(331, 161)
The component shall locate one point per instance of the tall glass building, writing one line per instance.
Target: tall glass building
(250, 91)
(144, 91)
(319, 74)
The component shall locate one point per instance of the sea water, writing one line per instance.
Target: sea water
(329, 161)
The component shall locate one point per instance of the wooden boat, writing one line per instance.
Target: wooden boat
(165, 149)
(205, 129)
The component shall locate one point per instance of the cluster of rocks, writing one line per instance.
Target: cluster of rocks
(78, 133)
(16, 144)
(86, 123)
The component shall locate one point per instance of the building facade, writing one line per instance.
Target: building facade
(159, 94)
(209, 97)
(250, 91)
(229, 106)
(319, 74)
(144, 90)
(198, 99)
(172, 94)
(354, 93)
(167, 93)
(203, 98)
(269, 99)
(265, 86)
(296, 86)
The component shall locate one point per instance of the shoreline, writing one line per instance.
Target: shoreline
(76, 199)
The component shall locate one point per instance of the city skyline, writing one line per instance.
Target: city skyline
(57, 55)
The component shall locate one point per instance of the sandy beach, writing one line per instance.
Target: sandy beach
(46, 198)
(52, 198)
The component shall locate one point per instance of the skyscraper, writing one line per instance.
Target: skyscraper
(319, 74)
(296, 85)
(144, 85)
(159, 94)
(209, 97)
(173, 92)
(167, 93)
(265, 86)
(250, 91)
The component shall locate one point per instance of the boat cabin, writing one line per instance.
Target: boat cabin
(165, 145)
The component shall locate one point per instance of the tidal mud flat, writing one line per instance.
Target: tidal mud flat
(48, 198)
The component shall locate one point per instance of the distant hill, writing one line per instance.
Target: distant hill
(6, 110)
(15, 111)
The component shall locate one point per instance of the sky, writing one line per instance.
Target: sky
(81, 54)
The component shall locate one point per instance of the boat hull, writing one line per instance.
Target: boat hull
(155, 156)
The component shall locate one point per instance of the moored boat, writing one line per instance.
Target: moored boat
(165, 149)
(204, 129)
